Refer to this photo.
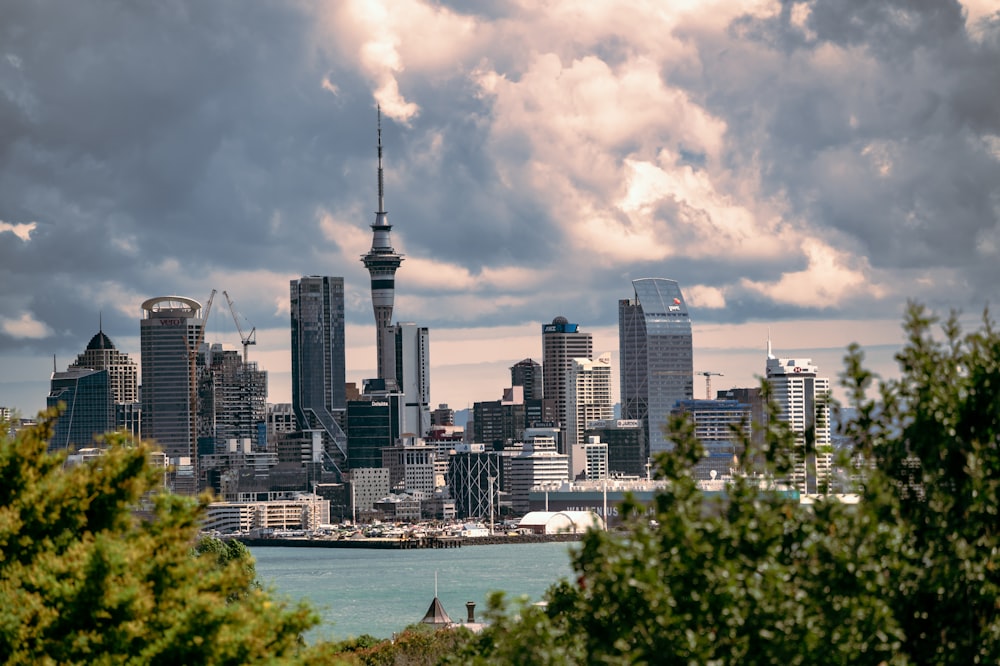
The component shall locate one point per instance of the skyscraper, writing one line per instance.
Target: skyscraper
(656, 355)
(804, 399)
(528, 373)
(561, 343)
(588, 399)
(169, 335)
(382, 262)
(318, 361)
(411, 371)
(101, 354)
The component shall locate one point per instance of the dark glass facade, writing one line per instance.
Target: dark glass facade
(89, 407)
(656, 355)
(496, 423)
(319, 394)
(528, 373)
(372, 425)
(627, 452)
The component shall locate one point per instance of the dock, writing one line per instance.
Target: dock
(380, 543)
(406, 543)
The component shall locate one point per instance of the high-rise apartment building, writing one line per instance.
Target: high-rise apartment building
(169, 334)
(528, 373)
(561, 343)
(382, 261)
(318, 361)
(655, 354)
(804, 399)
(411, 372)
(588, 399)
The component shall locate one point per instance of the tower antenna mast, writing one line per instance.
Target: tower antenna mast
(382, 261)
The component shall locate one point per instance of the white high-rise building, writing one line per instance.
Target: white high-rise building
(804, 399)
(538, 464)
(561, 343)
(588, 398)
(411, 372)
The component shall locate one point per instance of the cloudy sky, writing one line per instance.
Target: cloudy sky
(801, 168)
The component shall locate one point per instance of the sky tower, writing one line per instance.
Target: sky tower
(382, 261)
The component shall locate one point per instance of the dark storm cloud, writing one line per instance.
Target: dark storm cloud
(158, 144)
(469, 217)
(891, 149)
(140, 133)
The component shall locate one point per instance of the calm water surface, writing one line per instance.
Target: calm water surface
(379, 592)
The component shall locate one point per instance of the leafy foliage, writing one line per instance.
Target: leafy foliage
(223, 553)
(908, 575)
(417, 645)
(84, 578)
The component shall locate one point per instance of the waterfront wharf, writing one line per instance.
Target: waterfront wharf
(380, 543)
(407, 543)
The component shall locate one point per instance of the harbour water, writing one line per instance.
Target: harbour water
(379, 592)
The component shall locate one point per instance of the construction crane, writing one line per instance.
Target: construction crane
(708, 382)
(246, 338)
(200, 337)
(193, 369)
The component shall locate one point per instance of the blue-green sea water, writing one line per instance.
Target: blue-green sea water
(379, 592)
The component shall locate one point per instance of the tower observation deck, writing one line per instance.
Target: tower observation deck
(382, 261)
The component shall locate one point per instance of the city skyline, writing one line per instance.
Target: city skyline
(798, 168)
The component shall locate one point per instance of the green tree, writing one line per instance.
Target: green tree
(908, 575)
(230, 552)
(86, 578)
(417, 645)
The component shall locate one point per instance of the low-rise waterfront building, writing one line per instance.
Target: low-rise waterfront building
(299, 512)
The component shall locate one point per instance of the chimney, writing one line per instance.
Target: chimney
(470, 607)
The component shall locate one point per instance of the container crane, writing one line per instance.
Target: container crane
(246, 338)
(708, 382)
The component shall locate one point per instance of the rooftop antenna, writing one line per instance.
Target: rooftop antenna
(769, 354)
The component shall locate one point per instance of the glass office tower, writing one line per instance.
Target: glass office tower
(169, 334)
(656, 355)
(319, 391)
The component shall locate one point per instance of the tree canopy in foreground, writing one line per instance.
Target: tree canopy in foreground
(908, 575)
(85, 579)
